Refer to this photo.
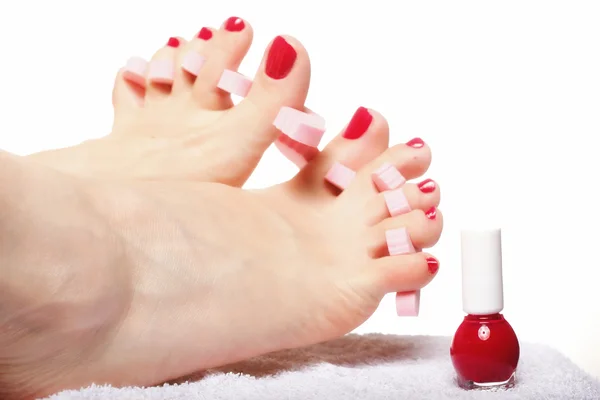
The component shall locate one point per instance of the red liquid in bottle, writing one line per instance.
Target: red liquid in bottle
(485, 352)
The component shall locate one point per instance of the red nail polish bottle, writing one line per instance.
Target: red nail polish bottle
(485, 349)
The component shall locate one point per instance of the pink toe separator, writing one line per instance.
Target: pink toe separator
(161, 71)
(340, 176)
(135, 70)
(387, 177)
(398, 242)
(396, 202)
(302, 127)
(235, 83)
(192, 63)
(408, 304)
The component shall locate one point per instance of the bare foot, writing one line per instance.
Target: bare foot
(187, 123)
(136, 283)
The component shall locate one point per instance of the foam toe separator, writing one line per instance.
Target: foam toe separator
(135, 70)
(340, 176)
(235, 83)
(398, 242)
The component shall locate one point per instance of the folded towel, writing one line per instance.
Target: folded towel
(362, 367)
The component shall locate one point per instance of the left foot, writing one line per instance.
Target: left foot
(173, 118)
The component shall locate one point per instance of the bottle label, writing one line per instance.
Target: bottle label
(484, 332)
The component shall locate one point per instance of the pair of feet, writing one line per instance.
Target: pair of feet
(163, 267)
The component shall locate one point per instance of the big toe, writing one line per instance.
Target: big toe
(281, 81)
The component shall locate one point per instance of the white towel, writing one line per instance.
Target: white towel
(362, 367)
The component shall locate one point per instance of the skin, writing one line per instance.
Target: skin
(152, 267)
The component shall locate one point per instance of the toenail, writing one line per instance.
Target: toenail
(135, 70)
(205, 34)
(433, 265)
(235, 83)
(360, 122)
(173, 42)
(234, 24)
(431, 213)
(340, 176)
(387, 177)
(161, 71)
(396, 202)
(281, 58)
(427, 186)
(192, 63)
(416, 143)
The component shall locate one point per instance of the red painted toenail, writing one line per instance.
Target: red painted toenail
(234, 24)
(205, 34)
(173, 42)
(281, 59)
(433, 265)
(427, 186)
(358, 124)
(431, 213)
(417, 143)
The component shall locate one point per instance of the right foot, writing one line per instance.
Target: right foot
(190, 124)
(137, 283)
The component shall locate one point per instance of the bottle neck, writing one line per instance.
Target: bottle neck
(489, 317)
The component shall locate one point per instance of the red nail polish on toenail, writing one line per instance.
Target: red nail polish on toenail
(416, 143)
(205, 34)
(427, 186)
(360, 122)
(234, 24)
(431, 213)
(433, 265)
(281, 59)
(173, 42)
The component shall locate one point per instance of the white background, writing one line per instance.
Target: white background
(506, 93)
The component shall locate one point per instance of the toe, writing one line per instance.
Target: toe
(364, 138)
(404, 273)
(160, 73)
(421, 196)
(225, 50)
(190, 60)
(424, 229)
(282, 80)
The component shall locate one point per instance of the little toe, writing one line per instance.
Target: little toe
(403, 273)
(281, 81)
(391, 203)
(161, 70)
(225, 50)
(364, 138)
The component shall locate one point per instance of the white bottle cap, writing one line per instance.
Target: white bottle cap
(482, 271)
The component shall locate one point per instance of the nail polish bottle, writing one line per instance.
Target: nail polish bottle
(485, 349)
